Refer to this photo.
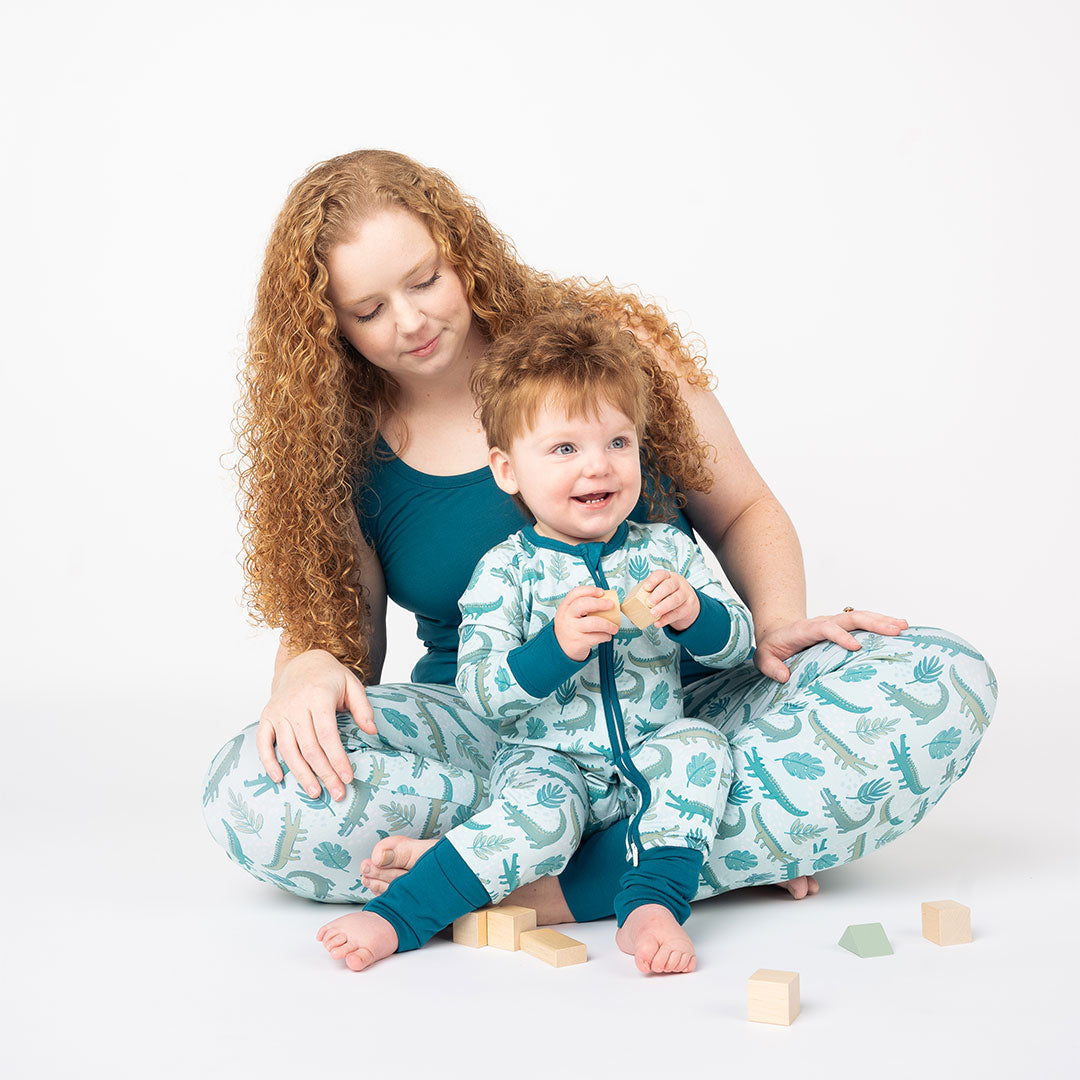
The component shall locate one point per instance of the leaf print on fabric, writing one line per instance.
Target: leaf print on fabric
(638, 567)
(320, 802)
(550, 866)
(332, 855)
(826, 861)
(487, 844)
(398, 817)
(701, 770)
(535, 729)
(511, 876)
(740, 792)
(551, 795)
(803, 766)
(945, 743)
(927, 671)
(740, 860)
(871, 730)
(808, 674)
(401, 722)
(872, 791)
(659, 696)
(801, 833)
(244, 820)
(566, 693)
(858, 673)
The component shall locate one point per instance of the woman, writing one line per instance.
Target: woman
(365, 476)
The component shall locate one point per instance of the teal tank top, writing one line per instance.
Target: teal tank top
(429, 533)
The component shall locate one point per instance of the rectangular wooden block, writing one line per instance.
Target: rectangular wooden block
(945, 922)
(506, 923)
(553, 948)
(773, 996)
(613, 613)
(636, 607)
(471, 929)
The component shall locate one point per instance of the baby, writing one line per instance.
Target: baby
(589, 710)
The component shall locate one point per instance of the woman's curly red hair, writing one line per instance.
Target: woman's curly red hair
(311, 406)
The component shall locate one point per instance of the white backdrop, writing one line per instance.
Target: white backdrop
(868, 211)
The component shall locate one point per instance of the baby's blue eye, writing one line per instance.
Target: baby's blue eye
(564, 449)
(619, 443)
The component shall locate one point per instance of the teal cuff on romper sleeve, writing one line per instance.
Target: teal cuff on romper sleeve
(540, 666)
(437, 890)
(665, 876)
(709, 632)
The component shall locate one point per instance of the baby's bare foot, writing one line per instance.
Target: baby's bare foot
(653, 937)
(360, 939)
(800, 887)
(390, 858)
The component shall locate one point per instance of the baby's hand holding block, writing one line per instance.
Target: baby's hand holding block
(636, 607)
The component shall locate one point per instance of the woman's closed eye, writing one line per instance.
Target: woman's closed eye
(419, 285)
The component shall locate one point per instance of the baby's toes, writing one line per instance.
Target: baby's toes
(333, 940)
(359, 958)
(343, 949)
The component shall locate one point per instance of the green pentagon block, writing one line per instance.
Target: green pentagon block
(866, 939)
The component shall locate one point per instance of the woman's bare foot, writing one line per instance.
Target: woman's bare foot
(360, 939)
(800, 887)
(390, 858)
(653, 937)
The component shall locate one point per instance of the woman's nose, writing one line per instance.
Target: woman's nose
(409, 317)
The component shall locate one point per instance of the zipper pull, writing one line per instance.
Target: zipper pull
(634, 852)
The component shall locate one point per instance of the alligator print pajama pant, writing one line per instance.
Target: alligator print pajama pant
(845, 757)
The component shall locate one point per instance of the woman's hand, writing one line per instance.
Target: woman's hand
(300, 719)
(578, 629)
(672, 599)
(779, 643)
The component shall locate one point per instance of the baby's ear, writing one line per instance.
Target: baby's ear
(502, 470)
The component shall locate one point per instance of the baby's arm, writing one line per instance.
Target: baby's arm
(696, 610)
(502, 673)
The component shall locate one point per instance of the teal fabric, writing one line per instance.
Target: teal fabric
(437, 890)
(665, 876)
(429, 532)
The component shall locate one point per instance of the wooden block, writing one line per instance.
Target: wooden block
(613, 613)
(636, 607)
(506, 923)
(945, 922)
(866, 939)
(471, 929)
(773, 996)
(553, 948)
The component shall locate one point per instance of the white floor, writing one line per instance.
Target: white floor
(134, 948)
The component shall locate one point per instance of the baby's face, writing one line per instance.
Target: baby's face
(580, 477)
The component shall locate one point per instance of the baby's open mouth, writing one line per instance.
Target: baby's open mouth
(594, 498)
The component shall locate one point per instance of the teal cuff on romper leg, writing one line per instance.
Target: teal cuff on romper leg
(590, 880)
(666, 876)
(437, 890)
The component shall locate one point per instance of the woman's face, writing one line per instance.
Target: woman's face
(398, 302)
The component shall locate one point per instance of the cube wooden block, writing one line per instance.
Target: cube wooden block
(636, 607)
(506, 923)
(867, 939)
(471, 929)
(613, 613)
(945, 922)
(553, 948)
(773, 996)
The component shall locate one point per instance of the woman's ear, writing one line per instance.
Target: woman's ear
(503, 471)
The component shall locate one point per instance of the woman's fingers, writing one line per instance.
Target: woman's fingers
(293, 757)
(771, 666)
(356, 701)
(873, 621)
(308, 742)
(329, 739)
(264, 742)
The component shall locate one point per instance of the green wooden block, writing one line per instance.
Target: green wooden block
(866, 939)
